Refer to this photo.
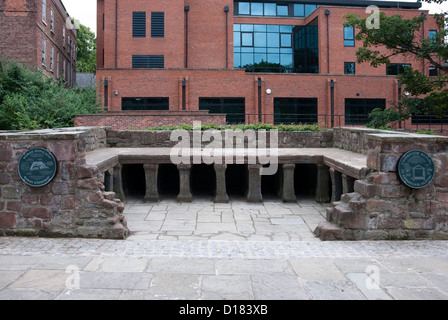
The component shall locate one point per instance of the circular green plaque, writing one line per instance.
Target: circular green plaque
(37, 167)
(416, 169)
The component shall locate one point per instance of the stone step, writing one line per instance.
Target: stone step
(327, 231)
(343, 216)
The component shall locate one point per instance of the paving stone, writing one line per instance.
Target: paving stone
(278, 287)
(24, 294)
(115, 280)
(89, 294)
(287, 221)
(417, 294)
(117, 265)
(50, 281)
(227, 287)
(175, 287)
(181, 266)
(338, 290)
(317, 269)
(254, 267)
(7, 277)
(370, 289)
(403, 280)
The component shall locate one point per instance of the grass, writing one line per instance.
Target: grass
(244, 127)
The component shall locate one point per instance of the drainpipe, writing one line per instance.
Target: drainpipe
(116, 34)
(187, 8)
(106, 95)
(184, 94)
(423, 38)
(332, 102)
(327, 14)
(399, 104)
(226, 10)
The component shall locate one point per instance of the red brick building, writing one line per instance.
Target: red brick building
(36, 32)
(282, 61)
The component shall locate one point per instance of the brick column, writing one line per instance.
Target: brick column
(288, 191)
(336, 183)
(221, 191)
(184, 183)
(254, 193)
(323, 182)
(348, 184)
(152, 192)
(118, 182)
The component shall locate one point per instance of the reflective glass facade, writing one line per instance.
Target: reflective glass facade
(269, 9)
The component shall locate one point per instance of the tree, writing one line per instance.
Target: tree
(29, 100)
(86, 50)
(400, 37)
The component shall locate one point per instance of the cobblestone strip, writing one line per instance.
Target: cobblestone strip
(238, 250)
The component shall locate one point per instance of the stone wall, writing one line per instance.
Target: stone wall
(383, 207)
(73, 204)
(161, 139)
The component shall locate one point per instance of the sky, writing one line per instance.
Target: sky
(85, 10)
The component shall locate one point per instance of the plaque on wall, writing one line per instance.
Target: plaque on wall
(37, 167)
(416, 169)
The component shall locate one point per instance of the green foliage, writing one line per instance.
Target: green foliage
(402, 37)
(383, 118)
(29, 100)
(244, 127)
(265, 66)
(86, 50)
(430, 132)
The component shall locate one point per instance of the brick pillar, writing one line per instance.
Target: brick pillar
(288, 191)
(221, 191)
(152, 192)
(348, 184)
(323, 182)
(254, 193)
(336, 183)
(184, 183)
(118, 182)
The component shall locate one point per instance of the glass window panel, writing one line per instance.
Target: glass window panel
(286, 29)
(299, 10)
(244, 8)
(286, 50)
(237, 39)
(273, 28)
(236, 60)
(236, 27)
(309, 8)
(259, 39)
(256, 9)
(260, 27)
(270, 9)
(247, 49)
(272, 50)
(247, 39)
(285, 40)
(273, 40)
(286, 60)
(349, 68)
(349, 33)
(260, 50)
(274, 58)
(247, 58)
(247, 27)
(259, 57)
(282, 10)
(349, 43)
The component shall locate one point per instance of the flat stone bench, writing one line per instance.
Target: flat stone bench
(340, 166)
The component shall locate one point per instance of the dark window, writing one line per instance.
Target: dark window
(349, 68)
(235, 108)
(432, 35)
(306, 48)
(157, 24)
(357, 110)
(393, 69)
(136, 104)
(429, 119)
(139, 24)
(140, 62)
(349, 36)
(295, 110)
(433, 72)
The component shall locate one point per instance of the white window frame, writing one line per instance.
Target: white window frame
(51, 58)
(44, 52)
(44, 11)
(57, 66)
(52, 20)
(63, 36)
(64, 70)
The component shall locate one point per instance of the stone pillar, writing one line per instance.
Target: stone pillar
(109, 180)
(152, 192)
(184, 183)
(323, 183)
(221, 191)
(254, 193)
(288, 191)
(336, 183)
(118, 182)
(348, 184)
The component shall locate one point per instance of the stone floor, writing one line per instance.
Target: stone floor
(236, 251)
(236, 221)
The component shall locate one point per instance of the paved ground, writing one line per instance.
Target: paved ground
(202, 251)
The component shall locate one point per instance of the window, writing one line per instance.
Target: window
(234, 108)
(433, 72)
(57, 67)
(244, 8)
(270, 9)
(309, 9)
(157, 24)
(393, 69)
(295, 110)
(44, 11)
(432, 35)
(299, 10)
(282, 10)
(137, 104)
(306, 48)
(52, 58)
(285, 40)
(256, 9)
(357, 110)
(247, 39)
(349, 36)
(52, 20)
(63, 37)
(349, 68)
(44, 52)
(64, 69)
(69, 43)
(141, 62)
(139, 24)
